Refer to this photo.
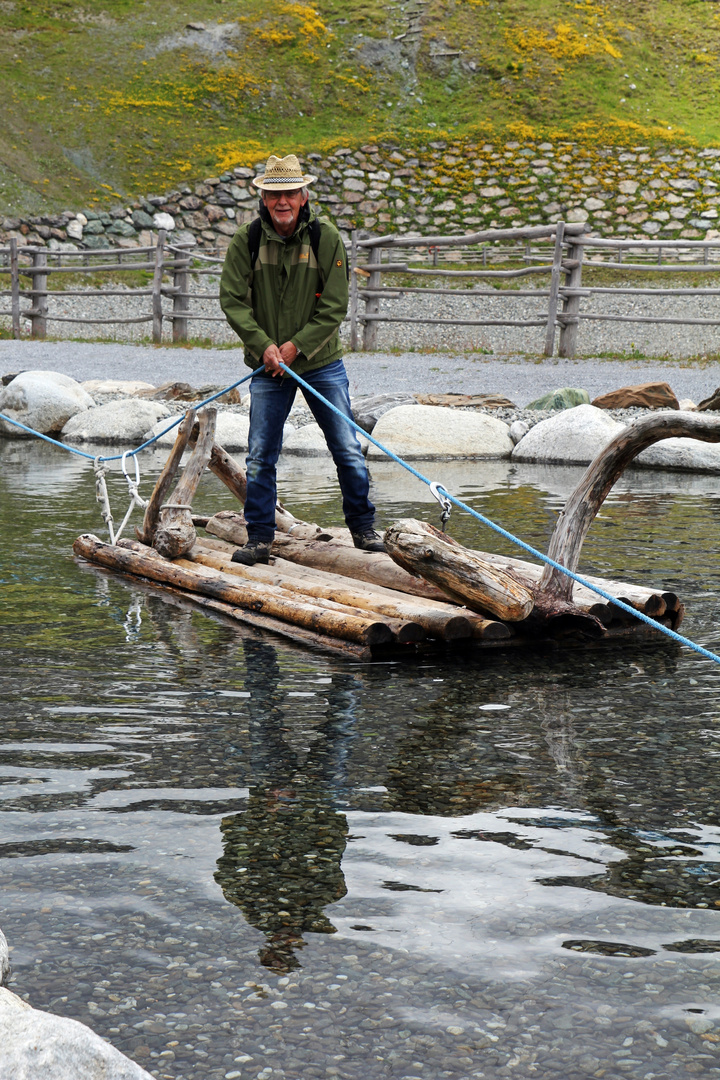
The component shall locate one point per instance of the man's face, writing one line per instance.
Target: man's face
(284, 209)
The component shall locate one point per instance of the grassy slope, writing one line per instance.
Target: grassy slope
(121, 98)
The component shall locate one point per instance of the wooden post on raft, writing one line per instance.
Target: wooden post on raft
(175, 533)
(152, 512)
(587, 498)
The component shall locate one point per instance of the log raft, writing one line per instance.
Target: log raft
(427, 593)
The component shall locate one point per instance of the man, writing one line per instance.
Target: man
(284, 291)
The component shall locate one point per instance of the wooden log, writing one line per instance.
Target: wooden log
(14, 288)
(460, 620)
(402, 629)
(307, 638)
(372, 306)
(525, 232)
(175, 533)
(251, 597)
(333, 556)
(38, 312)
(644, 599)
(152, 512)
(460, 573)
(587, 498)
(234, 477)
(158, 269)
(567, 344)
(450, 625)
(554, 290)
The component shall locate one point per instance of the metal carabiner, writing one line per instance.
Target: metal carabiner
(441, 494)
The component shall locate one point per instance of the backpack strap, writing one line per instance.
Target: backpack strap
(254, 234)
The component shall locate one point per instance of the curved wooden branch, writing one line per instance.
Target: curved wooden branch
(587, 498)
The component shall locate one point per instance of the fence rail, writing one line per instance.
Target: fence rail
(559, 252)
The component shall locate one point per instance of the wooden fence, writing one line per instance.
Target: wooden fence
(559, 252)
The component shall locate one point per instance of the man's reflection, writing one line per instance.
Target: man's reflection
(281, 857)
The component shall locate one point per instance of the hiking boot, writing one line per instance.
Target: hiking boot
(255, 551)
(368, 540)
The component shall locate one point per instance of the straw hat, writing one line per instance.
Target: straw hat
(282, 174)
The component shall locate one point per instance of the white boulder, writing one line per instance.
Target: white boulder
(306, 441)
(40, 1046)
(571, 437)
(682, 455)
(231, 432)
(42, 400)
(433, 431)
(126, 387)
(124, 421)
(162, 220)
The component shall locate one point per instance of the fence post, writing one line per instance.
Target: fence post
(353, 292)
(571, 304)
(157, 313)
(554, 289)
(181, 300)
(372, 305)
(14, 288)
(39, 296)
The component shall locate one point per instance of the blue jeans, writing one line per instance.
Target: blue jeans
(271, 400)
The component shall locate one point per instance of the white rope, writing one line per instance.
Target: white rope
(101, 493)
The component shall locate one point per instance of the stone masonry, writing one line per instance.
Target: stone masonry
(444, 186)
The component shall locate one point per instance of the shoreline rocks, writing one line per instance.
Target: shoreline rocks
(479, 427)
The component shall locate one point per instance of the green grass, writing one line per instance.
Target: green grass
(102, 102)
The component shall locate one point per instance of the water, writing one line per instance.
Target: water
(236, 858)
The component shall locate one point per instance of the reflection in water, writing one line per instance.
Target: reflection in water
(533, 837)
(281, 857)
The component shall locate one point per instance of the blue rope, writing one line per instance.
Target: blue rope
(143, 446)
(507, 535)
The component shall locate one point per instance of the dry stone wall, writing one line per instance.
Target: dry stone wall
(444, 186)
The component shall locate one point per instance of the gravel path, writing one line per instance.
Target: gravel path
(595, 337)
(518, 378)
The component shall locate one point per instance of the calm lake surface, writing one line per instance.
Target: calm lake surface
(237, 858)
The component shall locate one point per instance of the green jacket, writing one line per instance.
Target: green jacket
(287, 297)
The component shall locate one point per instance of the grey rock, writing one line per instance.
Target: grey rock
(96, 241)
(518, 430)
(572, 437)
(567, 397)
(39, 1046)
(368, 410)
(42, 400)
(122, 228)
(681, 455)
(431, 431)
(122, 421)
(141, 220)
